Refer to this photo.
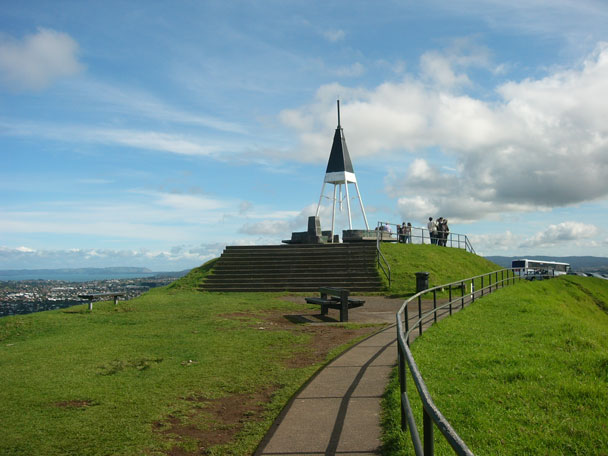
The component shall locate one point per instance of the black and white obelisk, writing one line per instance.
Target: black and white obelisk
(340, 173)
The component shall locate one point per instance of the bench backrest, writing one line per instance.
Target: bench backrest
(343, 293)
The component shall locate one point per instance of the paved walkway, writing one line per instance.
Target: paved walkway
(338, 411)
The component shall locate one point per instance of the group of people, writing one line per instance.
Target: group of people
(404, 233)
(438, 231)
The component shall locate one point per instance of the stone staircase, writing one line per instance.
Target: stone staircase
(303, 267)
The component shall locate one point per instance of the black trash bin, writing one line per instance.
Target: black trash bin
(422, 281)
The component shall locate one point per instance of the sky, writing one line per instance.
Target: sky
(152, 133)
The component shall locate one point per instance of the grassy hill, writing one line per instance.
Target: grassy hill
(175, 371)
(443, 264)
(522, 371)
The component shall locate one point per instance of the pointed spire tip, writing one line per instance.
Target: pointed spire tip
(338, 113)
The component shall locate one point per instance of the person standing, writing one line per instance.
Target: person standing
(446, 232)
(408, 233)
(432, 227)
(439, 240)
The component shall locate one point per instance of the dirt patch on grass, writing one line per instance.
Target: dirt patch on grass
(76, 404)
(218, 421)
(324, 337)
(225, 417)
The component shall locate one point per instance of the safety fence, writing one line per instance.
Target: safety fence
(417, 235)
(467, 290)
(390, 232)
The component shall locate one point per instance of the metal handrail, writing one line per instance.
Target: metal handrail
(420, 235)
(431, 414)
(380, 255)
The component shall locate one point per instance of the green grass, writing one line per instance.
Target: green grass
(112, 380)
(194, 278)
(443, 264)
(523, 371)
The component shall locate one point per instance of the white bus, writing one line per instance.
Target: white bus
(539, 268)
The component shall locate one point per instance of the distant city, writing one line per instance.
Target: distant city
(18, 297)
(26, 291)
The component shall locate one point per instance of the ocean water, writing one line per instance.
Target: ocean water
(72, 276)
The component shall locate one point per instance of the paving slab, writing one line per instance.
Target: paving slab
(338, 411)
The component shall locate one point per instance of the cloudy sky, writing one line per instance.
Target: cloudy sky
(153, 133)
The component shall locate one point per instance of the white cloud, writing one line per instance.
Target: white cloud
(151, 140)
(440, 71)
(174, 143)
(334, 35)
(130, 101)
(528, 150)
(562, 233)
(266, 227)
(141, 215)
(38, 60)
(187, 202)
(178, 258)
(493, 244)
(354, 70)
(245, 206)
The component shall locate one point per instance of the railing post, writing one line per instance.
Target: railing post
(502, 277)
(490, 282)
(402, 387)
(450, 298)
(462, 295)
(427, 428)
(473, 290)
(435, 306)
(482, 286)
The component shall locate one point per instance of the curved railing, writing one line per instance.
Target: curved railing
(383, 265)
(423, 236)
(417, 236)
(469, 289)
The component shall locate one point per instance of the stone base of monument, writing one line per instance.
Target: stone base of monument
(367, 235)
(314, 235)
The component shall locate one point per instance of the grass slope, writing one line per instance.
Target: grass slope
(443, 264)
(523, 371)
(120, 380)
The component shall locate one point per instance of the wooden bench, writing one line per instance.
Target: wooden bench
(335, 298)
(93, 296)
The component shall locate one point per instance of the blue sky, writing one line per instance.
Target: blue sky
(155, 133)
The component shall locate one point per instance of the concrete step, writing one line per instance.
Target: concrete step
(295, 268)
(290, 279)
(295, 271)
(299, 263)
(285, 247)
(292, 255)
(310, 288)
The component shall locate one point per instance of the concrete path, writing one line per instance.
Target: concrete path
(338, 410)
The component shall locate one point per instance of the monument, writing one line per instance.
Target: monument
(340, 174)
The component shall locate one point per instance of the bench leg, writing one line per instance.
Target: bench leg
(323, 307)
(344, 311)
